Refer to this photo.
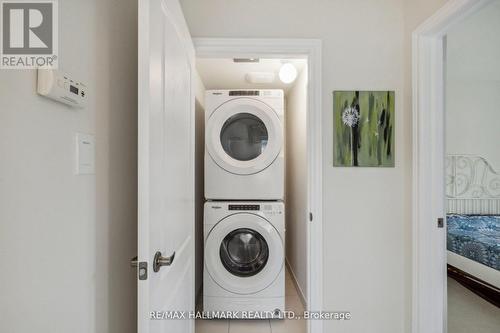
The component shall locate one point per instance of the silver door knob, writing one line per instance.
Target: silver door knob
(160, 261)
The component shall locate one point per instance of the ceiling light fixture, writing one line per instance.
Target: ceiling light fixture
(288, 73)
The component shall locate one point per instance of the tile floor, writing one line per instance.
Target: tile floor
(468, 312)
(292, 303)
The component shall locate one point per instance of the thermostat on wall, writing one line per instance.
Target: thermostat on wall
(61, 87)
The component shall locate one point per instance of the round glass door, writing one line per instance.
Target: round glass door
(244, 252)
(244, 136)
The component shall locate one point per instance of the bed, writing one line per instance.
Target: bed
(475, 237)
(473, 219)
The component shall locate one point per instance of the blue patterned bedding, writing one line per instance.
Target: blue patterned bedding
(476, 237)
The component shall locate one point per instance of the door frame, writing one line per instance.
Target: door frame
(283, 49)
(429, 287)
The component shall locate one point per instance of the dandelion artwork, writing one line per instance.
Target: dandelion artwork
(363, 128)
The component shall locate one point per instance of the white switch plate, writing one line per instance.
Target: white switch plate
(85, 154)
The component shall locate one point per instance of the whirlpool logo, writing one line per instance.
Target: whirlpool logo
(29, 34)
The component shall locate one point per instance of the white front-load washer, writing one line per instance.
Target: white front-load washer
(244, 258)
(244, 152)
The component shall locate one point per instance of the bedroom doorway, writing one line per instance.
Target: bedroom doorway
(438, 189)
(472, 171)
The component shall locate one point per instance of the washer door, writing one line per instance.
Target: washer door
(244, 253)
(244, 136)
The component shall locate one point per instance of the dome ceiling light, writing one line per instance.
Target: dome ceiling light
(288, 73)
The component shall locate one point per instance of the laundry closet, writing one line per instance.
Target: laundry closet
(251, 190)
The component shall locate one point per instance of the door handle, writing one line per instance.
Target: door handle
(160, 261)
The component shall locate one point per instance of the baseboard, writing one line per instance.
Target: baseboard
(479, 287)
(294, 279)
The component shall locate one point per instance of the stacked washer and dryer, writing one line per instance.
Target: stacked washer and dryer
(244, 216)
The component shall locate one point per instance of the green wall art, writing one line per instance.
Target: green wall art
(363, 128)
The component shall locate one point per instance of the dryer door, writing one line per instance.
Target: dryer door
(244, 253)
(244, 136)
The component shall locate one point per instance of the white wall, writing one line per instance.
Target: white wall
(66, 240)
(473, 86)
(296, 180)
(365, 217)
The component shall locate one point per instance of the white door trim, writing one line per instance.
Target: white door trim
(292, 48)
(429, 299)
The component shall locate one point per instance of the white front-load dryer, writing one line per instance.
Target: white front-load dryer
(244, 259)
(244, 152)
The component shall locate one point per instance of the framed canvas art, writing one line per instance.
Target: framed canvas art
(363, 128)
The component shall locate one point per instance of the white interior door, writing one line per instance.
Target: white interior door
(166, 168)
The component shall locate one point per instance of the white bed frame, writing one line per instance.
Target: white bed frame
(472, 187)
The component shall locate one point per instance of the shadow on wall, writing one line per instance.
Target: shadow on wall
(116, 176)
(199, 193)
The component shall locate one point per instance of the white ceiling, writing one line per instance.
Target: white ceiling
(227, 74)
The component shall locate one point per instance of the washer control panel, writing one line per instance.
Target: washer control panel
(267, 208)
(243, 207)
(247, 93)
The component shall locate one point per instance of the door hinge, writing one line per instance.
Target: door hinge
(310, 216)
(440, 222)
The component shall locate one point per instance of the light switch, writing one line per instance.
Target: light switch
(85, 154)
